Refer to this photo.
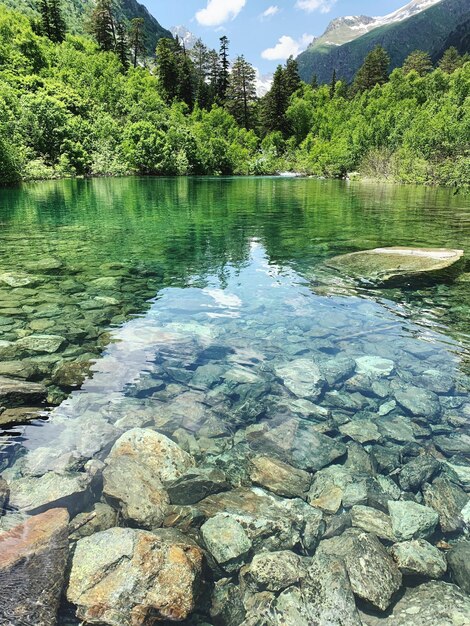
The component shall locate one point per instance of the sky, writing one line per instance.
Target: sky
(265, 31)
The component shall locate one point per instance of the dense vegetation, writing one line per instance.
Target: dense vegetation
(96, 106)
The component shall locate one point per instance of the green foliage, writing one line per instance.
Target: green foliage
(374, 71)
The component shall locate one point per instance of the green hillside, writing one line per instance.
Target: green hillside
(427, 31)
(75, 12)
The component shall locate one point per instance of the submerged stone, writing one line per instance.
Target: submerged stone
(302, 377)
(459, 564)
(196, 484)
(419, 558)
(372, 521)
(33, 557)
(279, 477)
(227, 541)
(274, 571)
(418, 471)
(42, 344)
(448, 499)
(397, 265)
(127, 577)
(15, 393)
(411, 520)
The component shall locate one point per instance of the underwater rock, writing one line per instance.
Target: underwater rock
(41, 344)
(458, 559)
(227, 541)
(227, 607)
(4, 493)
(127, 577)
(411, 520)
(448, 500)
(372, 521)
(44, 265)
(302, 377)
(15, 393)
(33, 558)
(374, 366)
(70, 374)
(373, 574)
(20, 415)
(274, 571)
(419, 558)
(397, 265)
(433, 602)
(101, 517)
(196, 484)
(278, 477)
(417, 472)
(419, 402)
(361, 430)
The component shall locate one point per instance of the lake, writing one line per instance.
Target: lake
(261, 402)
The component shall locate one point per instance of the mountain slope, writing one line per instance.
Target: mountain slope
(458, 38)
(76, 11)
(426, 29)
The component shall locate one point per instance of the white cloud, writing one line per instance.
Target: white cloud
(286, 47)
(324, 6)
(219, 11)
(270, 11)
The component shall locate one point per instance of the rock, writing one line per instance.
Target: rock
(355, 488)
(70, 490)
(71, 374)
(4, 494)
(298, 443)
(419, 402)
(136, 467)
(336, 370)
(329, 501)
(42, 344)
(397, 429)
(273, 571)
(419, 558)
(448, 500)
(278, 477)
(373, 574)
(227, 603)
(361, 430)
(411, 520)
(15, 393)
(372, 521)
(302, 377)
(196, 484)
(417, 472)
(433, 603)
(127, 577)
(453, 444)
(25, 370)
(14, 280)
(44, 265)
(458, 559)
(397, 265)
(101, 517)
(33, 557)
(20, 415)
(374, 366)
(227, 541)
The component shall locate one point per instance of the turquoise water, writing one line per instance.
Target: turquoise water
(191, 305)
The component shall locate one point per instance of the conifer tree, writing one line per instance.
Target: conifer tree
(314, 82)
(450, 61)
(44, 11)
(137, 39)
(58, 26)
(185, 78)
(102, 25)
(418, 61)
(292, 78)
(168, 68)
(374, 70)
(275, 104)
(241, 92)
(224, 69)
(333, 85)
(214, 74)
(122, 45)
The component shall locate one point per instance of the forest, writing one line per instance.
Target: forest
(97, 105)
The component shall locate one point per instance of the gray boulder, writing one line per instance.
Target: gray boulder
(196, 484)
(419, 402)
(372, 521)
(302, 377)
(459, 564)
(417, 472)
(227, 541)
(279, 477)
(419, 558)
(411, 520)
(274, 571)
(101, 517)
(448, 499)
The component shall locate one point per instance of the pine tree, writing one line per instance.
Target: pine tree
(200, 57)
(57, 22)
(241, 92)
(122, 45)
(418, 61)
(102, 25)
(374, 71)
(137, 39)
(168, 68)
(224, 76)
(450, 61)
(275, 105)
(292, 78)
(185, 79)
(214, 74)
(314, 82)
(333, 85)
(44, 11)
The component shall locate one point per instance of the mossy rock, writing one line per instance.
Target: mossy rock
(388, 267)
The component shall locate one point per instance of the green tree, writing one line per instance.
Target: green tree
(137, 39)
(122, 45)
(450, 61)
(57, 21)
(102, 25)
(241, 92)
(314, 81)
(185, 91)
(374, 71)
(224, 74)
(275, 105)
(168, 69)
(292, 77)
(333, 85)
(418, 61)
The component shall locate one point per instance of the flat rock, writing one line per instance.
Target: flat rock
(397, 265)
(361, 430)
(411, 520)
(298, 443)
(419, 558)
(196, 484)
(338, 369)
(374, 366)
(448, 499)
(127, 577)
(20, 415)
(397, 429)
(372, 521)
(33, 557)
(419, 402)
(41, 344)
(302, 377)
(227, 541)
(458, 559)
(14, 393)
(279, 477)
(434, 603)
(373, 574)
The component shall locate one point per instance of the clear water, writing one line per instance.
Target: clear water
(188, 294)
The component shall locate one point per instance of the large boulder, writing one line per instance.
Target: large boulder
(448, 499)
(136, 467)
(33, 557)
(419, 558)
(302, 377)
(128, 577)
(279, 477)
(459, 564)
(411, 520)
(398, 265)
(227, 541)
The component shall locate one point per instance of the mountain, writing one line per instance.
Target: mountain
(421, 24)
(458, 38)
(187, 38)
(76, 11)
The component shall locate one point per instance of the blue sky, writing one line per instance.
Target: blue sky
(262, 30)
